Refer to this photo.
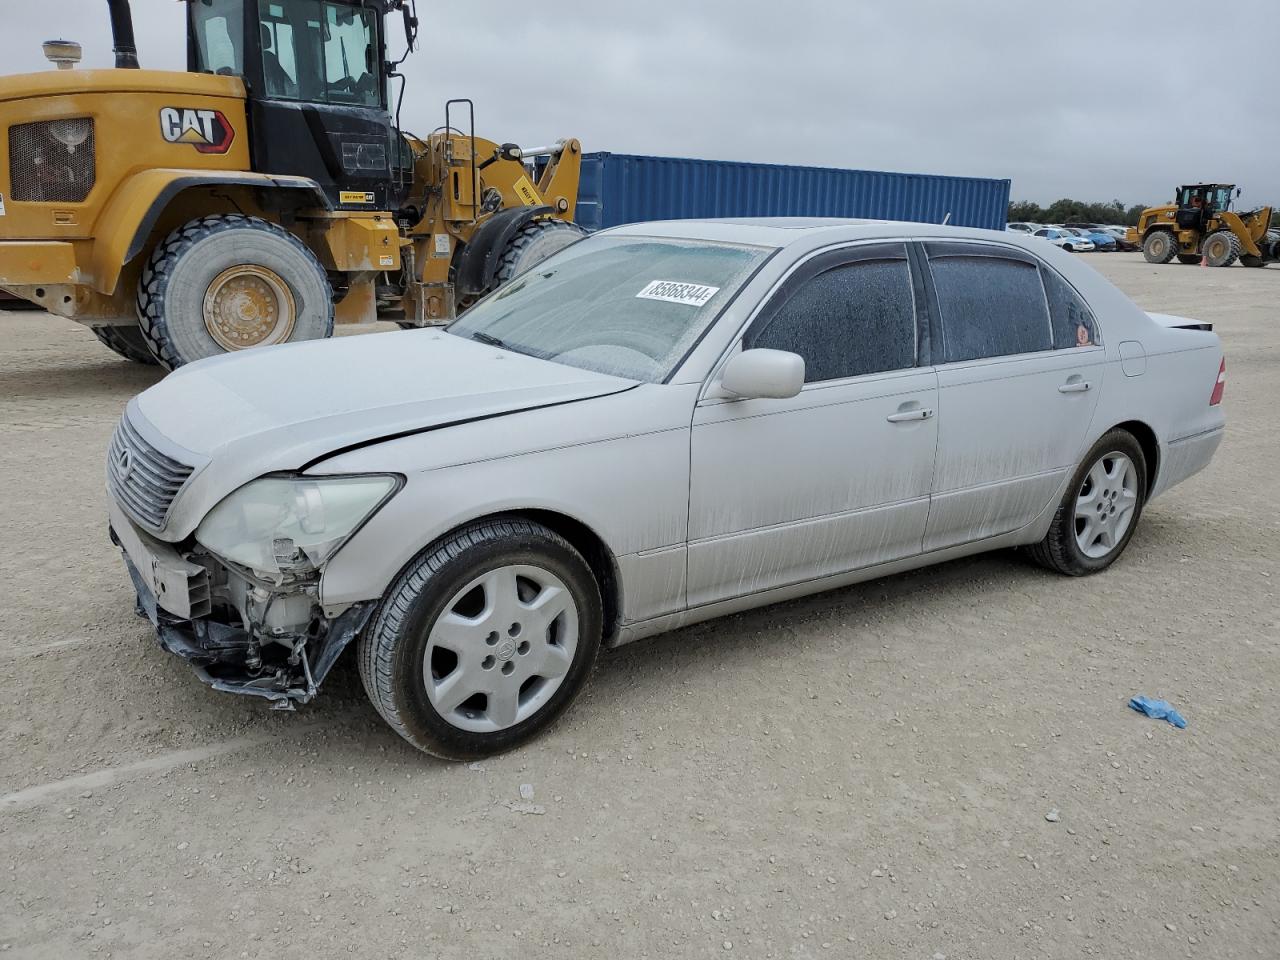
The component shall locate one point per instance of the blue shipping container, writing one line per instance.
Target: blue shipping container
(625, 188)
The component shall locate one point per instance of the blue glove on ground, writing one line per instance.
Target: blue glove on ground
(1158, 709)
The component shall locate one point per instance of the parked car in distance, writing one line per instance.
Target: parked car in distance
(1122, 238)
(661, 424)
(1021, 227)
(1100, 239)
(1065, 239)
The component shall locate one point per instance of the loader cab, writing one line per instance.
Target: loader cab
(315, 72)
(1200, 202)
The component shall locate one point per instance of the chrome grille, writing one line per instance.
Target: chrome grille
(142, 479)
(52, 161)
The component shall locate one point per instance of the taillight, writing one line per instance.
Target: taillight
(1215, 398)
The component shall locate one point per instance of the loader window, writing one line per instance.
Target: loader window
(320, 52)
(216, 28)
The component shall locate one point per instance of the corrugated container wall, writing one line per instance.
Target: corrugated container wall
(625, 188)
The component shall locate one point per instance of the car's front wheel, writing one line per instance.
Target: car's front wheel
(1100, 510)
(484, 640)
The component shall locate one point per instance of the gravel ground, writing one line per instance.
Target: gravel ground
(867, 773)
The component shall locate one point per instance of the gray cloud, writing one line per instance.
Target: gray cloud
(1087, 99)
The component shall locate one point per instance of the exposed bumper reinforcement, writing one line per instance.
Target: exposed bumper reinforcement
(219, 652)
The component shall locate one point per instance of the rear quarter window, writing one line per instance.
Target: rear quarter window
(990, 306)
(1073, 322)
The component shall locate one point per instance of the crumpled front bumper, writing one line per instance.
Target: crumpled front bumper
(174, 594)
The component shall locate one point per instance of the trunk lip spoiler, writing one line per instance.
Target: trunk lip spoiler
(1172, 322)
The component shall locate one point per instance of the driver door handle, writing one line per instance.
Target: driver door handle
(1075, 386)
(904, 416)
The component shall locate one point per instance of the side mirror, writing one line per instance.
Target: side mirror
(763, 374)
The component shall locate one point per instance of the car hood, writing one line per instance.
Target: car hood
(236, 417)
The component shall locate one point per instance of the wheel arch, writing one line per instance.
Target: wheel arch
(582, 537)
(144, 205)
(1149, 443)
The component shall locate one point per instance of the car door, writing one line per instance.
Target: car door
(1017, 388)
(837, 477)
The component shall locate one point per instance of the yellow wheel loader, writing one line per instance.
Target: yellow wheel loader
(1200, 224)
(263, 194)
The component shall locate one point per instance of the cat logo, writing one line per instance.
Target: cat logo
(206, 130)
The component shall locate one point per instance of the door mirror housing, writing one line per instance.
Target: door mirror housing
(763, 374)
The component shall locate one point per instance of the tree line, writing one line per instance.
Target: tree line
(1114, 213)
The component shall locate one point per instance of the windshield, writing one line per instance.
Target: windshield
(626, 306)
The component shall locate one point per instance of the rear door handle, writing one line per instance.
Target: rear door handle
(1075, 386)
(904, 416)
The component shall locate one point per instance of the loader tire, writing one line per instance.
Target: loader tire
(228, 283)
(534, 243)
(1221, 248)
(1189, 258)
(127, 341)
(1159, 246)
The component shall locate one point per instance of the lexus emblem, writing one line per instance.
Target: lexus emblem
(124, 459)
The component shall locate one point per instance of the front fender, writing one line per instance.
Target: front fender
(129, 218)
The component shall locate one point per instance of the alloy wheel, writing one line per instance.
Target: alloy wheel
(501, 648)
(1105, 504)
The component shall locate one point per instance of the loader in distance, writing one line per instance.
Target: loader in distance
(1201, 226)
(265, 193)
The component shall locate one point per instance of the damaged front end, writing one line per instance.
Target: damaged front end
(240, 600)
(270, 643)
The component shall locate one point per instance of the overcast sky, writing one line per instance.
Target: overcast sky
(1085, 99)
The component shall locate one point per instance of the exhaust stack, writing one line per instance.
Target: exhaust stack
(126, 50)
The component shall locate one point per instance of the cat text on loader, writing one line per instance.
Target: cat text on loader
(264, 193)
(1201, 226)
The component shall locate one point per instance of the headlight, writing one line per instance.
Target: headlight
(285, 524)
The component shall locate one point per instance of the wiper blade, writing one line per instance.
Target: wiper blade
(483, 337)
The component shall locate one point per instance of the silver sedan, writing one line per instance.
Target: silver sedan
(661, 424)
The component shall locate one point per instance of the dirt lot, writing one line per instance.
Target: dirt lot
(861, 774)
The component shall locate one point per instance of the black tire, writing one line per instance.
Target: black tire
(1059, 550)
(126, 341)
(1189, 258)
(1069, 248)
(392, 650)
(1252, 261)
(181, 270)
(1159, 246)
(533, 243)
(1221, 248)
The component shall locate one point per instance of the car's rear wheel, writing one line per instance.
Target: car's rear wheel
(484, 640)
(1100, 509)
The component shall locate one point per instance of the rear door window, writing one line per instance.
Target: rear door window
(850, 320)
(991, 305)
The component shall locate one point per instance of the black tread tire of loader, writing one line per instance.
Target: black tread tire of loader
(185, 249)
(1188, 258)
(1159, 246)
(1270, 247)
(532, 244)
(1225, 258)
(127, 341)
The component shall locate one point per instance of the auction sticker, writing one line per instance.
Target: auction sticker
(1, 204)
(672, 291)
